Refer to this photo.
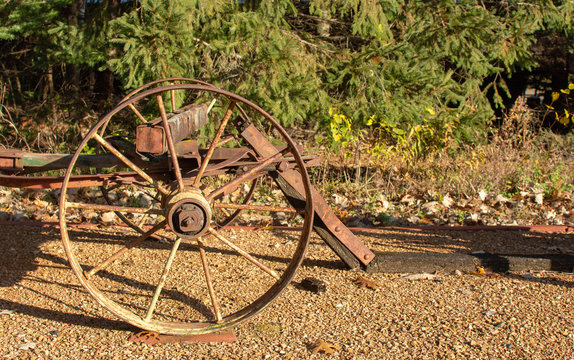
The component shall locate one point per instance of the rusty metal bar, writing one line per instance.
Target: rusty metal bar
(172, 97)
(101, 207)
(139, 115)
(349, 248)
(25, 160)
(129, 163)
(224, 141)
(213, 145)
(125, 249)
(170, 144)
(76, 181)
(162, 280)
(245, 176)
(243, 253)
(225, 212)
(255, 207)
(207, 273)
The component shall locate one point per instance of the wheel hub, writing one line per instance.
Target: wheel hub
(188, 214)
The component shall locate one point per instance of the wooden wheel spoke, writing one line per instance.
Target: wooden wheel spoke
(214, 144)
(129, 163)
(125, 249)
(162, 280)
(121, 209)
(207, 273)
(246, 176)
(243, 253)
(170, 144)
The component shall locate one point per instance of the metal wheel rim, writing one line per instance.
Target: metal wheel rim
(189, 328)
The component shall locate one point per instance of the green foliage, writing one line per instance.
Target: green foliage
(28, 18)
(382, 64)
(154, 42)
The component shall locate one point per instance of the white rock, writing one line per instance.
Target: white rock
(27, 346)
(423, 276)
(385, 205)
(551, 214)
(539, 198)
(482, 195)
(108, 217)
(447, 201)
(430, 207)
(340, 200)
(113, 196)
(146, 200)
(90, 215)
(484, 209)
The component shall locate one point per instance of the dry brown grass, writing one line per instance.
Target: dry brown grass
(518, 157)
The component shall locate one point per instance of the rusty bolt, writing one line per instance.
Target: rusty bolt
(337, 228)
(368, 256)
(191, 220)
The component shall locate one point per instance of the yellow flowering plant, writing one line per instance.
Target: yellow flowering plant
(563, 117)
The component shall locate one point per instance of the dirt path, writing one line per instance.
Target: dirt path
(44, 313)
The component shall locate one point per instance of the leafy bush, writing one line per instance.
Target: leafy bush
(380, 63)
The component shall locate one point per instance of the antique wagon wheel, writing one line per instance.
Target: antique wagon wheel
(169, 287)
(221, 216)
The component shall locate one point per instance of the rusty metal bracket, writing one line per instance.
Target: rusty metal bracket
(151, 338)
(11, 159)
(151, 137)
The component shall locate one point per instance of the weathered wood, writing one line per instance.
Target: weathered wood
(296, 200)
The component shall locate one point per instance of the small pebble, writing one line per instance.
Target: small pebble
(27, 346)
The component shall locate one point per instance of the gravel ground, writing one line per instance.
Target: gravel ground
(45, 314)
